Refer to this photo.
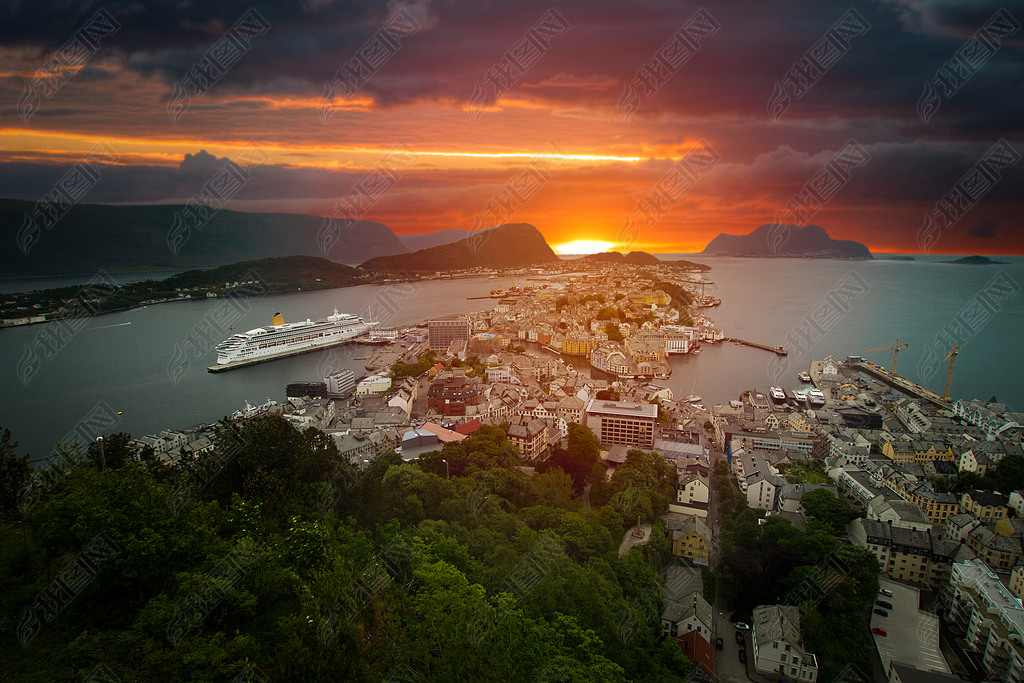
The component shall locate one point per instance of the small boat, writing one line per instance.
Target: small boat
(694, 398)
(778, 394)
(252, 411)
(804, 377)
(816, 397)
(801, 396)
(696, 351)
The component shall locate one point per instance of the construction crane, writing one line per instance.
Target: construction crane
(895, 352)
(951, 357)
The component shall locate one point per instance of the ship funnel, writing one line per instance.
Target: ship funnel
(277, 321)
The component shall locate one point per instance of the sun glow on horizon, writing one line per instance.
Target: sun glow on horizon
(584, 247)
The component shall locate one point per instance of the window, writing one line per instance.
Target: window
(793, 671)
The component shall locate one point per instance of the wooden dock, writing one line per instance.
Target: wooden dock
(777, 350)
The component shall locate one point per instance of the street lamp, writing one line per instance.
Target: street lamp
(103, 457)
(447, 472)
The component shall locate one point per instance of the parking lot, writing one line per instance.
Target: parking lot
(912, 636)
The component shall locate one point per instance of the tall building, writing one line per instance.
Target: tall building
(443, 332)
(630, 424)
(341, 383)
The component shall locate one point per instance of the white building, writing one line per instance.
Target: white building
(778, 644)
(374, 384)
(341, 383)
(991, 616)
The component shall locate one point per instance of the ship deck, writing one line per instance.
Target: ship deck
(283, 354)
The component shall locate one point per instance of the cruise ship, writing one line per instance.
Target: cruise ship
(285, 339)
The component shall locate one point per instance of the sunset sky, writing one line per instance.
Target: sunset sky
(578, 94)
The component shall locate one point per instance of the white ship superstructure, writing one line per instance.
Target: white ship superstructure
(281, 338)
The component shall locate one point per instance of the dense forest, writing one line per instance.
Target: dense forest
(272, 558)
(766, 560)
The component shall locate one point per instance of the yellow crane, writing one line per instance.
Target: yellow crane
(951, 357)
(895, 352)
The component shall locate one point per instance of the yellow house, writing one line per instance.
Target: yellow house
(988, 506)
(1017, 581)
(903, 452)
(691, 537)
(938, 506)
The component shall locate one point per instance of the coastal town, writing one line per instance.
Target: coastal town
(589, 347)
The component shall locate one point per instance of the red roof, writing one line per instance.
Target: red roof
(468, 428)
(698, 650)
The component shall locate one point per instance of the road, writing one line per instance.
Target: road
(728, 668)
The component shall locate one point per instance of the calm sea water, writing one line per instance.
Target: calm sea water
(154, 370)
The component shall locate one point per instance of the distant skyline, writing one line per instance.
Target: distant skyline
(896, 123)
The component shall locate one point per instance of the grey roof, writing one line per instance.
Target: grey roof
(776, 623)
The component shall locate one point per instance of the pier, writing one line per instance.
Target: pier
(777, 350)
(902, 383)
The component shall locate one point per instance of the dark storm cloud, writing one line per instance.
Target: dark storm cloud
(986, 229)
(734, 72)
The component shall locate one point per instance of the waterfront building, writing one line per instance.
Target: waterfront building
(615, 422)
(374, 384)
(443, 331)
(341, 383)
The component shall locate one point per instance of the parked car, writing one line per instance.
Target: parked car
(886, 591)
(743, 656)
(739, 638)
(881, 613)
(884, 603)
(879, 631)
(742, 627)
(719, 643)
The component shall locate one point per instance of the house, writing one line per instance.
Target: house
(908, 555)
(778, 644)
(987, 506)
(763, 489)
(691, 537)
(692, 494)
(530, 435)
(899, 513)
(689, 621)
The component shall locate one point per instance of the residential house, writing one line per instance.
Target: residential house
(691, 537)
(689, 622)
(987, 506)
(778, 644)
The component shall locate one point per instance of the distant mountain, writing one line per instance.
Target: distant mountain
(505, 246)
(636, 258)
(159, 236)
(433, 239)
(808, 241)
(975, 261)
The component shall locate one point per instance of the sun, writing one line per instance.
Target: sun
(584, 247)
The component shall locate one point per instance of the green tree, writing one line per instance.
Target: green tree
(833, 512)
(15, 475)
